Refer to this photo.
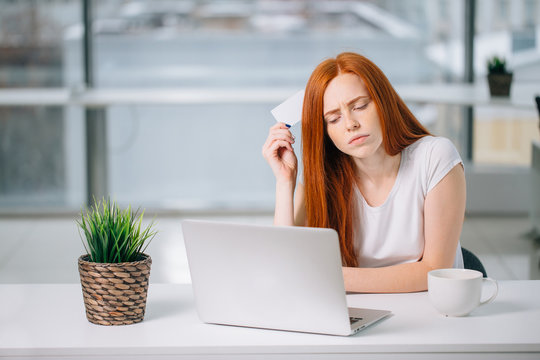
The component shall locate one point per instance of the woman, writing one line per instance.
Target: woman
(394, 193)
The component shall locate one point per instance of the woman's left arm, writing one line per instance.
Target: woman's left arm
(444, 211)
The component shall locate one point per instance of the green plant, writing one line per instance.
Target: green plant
(112, 235)
(497, 65)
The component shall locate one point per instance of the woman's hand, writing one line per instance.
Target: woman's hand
(279, 153)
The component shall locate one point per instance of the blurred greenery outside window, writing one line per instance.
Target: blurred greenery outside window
(208, 156)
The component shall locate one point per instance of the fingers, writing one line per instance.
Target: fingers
(279, 153)
(276, 145)
(278, 132)
(271, 148)
(280, 125)
(282, 135)
(279, 139)
(281, 131)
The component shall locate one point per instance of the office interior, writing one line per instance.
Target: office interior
(164, 106)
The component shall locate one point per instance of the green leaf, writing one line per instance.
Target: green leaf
(111, 235)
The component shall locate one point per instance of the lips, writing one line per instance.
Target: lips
(357, 139)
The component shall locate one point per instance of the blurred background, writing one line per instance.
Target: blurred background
(201, 156)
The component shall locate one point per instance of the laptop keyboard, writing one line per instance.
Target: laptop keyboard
(355, 319)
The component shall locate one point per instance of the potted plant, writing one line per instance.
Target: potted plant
(499, 78)
(115, 270)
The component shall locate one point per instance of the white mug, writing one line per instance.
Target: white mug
(457, 292)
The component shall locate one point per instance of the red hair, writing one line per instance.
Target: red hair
(329, 174)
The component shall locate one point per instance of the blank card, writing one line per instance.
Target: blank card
(290, 111)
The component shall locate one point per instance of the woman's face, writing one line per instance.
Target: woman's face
(351, 117)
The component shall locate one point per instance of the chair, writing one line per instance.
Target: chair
(471, 261)
(535, 182)
(537, 99)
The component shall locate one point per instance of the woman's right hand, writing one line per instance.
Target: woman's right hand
(279, 153)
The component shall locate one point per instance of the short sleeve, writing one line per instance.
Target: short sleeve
(442, 158)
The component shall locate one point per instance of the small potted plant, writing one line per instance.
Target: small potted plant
(499, 78)
(115, 270)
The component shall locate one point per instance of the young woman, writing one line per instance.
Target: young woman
(394, 193)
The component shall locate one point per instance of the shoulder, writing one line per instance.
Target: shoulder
(434, 157)
(429, 141)
(433, 148)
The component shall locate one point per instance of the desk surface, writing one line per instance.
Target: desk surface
(49, 320)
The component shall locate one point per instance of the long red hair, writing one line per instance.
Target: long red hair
(329, 174)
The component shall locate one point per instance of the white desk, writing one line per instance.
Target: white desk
(49, 320)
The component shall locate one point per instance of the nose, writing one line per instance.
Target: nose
(350, 122)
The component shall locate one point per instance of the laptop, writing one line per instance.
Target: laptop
(271, 277)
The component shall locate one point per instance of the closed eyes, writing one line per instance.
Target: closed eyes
(356, 108)
(360, 107)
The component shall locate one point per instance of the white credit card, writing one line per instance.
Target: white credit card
(290, 111)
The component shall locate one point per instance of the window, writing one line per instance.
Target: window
(206, 154)
(502, 136)
(209, 155)
(36, 166)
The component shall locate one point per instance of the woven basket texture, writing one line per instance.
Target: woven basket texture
(115, 294)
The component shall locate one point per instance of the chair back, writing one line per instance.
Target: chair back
(537, 99)
(471, 261)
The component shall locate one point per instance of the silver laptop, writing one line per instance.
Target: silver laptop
(282, 278)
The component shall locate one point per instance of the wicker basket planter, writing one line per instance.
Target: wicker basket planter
(115, 294)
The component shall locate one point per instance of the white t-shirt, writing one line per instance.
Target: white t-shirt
(393, 233)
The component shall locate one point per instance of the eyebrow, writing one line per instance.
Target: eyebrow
(348, 103)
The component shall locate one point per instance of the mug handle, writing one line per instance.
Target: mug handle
(494, 294)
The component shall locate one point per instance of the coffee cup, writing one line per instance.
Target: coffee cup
(457, 292)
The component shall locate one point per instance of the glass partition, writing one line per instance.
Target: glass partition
(37, 163)
(511, 30)
(206, 155)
